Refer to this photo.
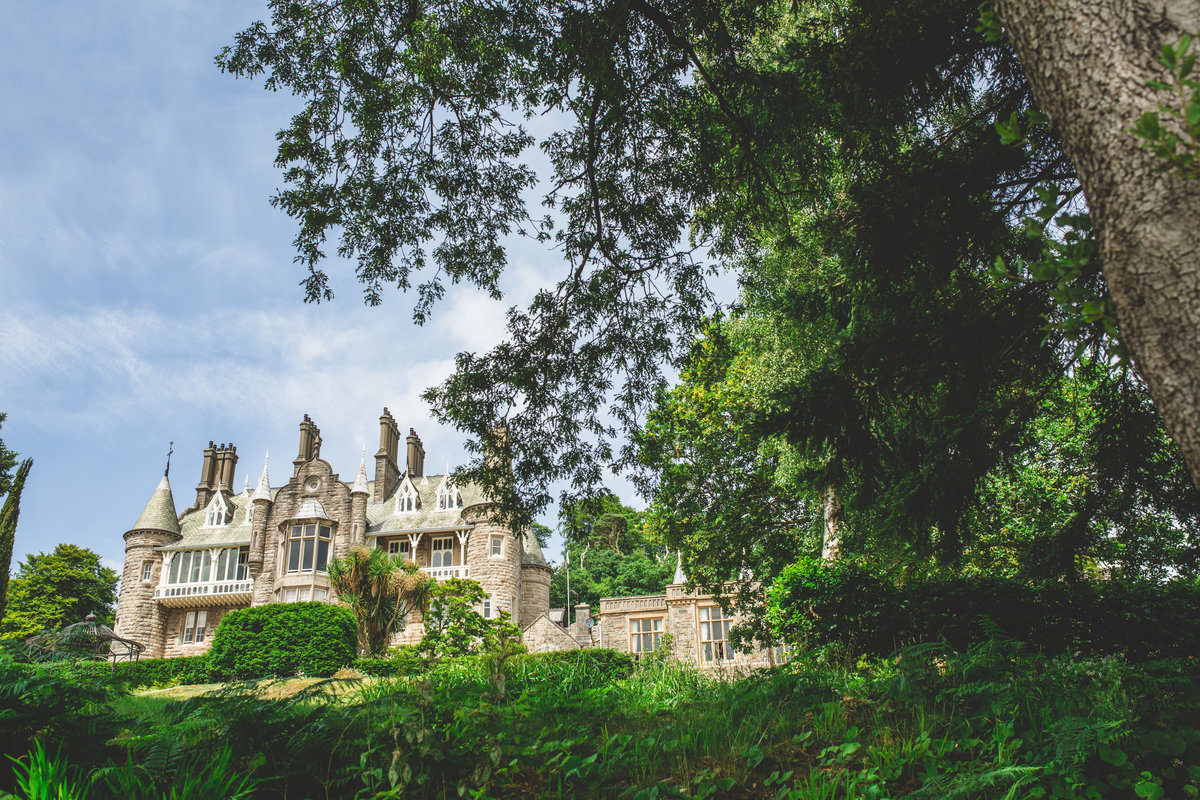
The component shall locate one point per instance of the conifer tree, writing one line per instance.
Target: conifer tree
(8, 527)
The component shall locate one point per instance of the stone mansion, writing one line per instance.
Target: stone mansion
(230, 550)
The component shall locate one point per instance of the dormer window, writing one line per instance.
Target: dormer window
(407, 498)
(448, 497)
(218, 512)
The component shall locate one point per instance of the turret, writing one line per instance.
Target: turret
(258, 529)
(138, 614)
(359, 494)
(535, 579)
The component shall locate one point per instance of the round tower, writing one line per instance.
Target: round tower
(139, 616)
(359, 494)
(535, 579)
(499, 573)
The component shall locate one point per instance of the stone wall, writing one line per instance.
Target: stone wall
(544, 636)
(139, 616)
(535, 592)
(499, 577)
(173, 630)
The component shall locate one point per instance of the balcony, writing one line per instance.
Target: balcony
(192, 595)
(456, 571)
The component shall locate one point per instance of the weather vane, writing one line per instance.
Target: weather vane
(170, 449)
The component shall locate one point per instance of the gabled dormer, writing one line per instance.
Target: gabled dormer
(408, 499)
(218, 513)
(448, 496)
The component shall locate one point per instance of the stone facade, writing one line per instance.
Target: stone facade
(696, 623)
(229, 551)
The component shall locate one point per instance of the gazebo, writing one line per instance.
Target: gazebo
(87, 639)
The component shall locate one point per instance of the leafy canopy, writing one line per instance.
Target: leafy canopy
(52, 590)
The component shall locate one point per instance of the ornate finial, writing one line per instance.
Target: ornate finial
(170, 450)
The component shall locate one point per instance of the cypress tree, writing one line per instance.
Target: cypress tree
(8, 528)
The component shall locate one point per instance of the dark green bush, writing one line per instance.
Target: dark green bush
(182, 670)
(819, 603)
(400, 660)
(282, 640)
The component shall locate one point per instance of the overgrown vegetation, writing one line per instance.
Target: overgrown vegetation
(995, 721)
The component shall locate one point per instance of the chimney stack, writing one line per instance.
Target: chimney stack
(416, 455)
(228, 463)
(310, 442)
(387, 473)
(208, 477)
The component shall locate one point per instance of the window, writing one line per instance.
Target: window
(320, 595)
(714, 635)
(401, 548)
(443, 552)
(645, 635)
(448, 497)
(147, 570)
(217, 513)
(487, 608)
(193, 627)
(191, 566)
(497, 546)
(407, 498)
(782, 653)
(308, 548)
(289, 595)
(305, 594)
(232, 564)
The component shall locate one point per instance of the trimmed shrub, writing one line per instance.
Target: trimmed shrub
(400, 660)
(151, 672)
(283, 640)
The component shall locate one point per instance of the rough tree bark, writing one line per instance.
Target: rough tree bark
(1089, 64)
(831, 540)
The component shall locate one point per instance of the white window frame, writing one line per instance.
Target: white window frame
(299, 535)
(289, 595)
(448, 496)
(400, 547)
(147, 571)
(434, 550)
(217, 514)
(714, 648)
(195, 624)
(640, 636)
(487, 608)
(408, 499)
(493, 550)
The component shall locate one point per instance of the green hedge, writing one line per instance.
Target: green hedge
(283, 640)
(400, 660)
(158, 671)
(817, 603)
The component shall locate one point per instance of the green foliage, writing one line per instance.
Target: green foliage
(8, 522)
(454, 626)
(819, 603)
(994, 721)
(8, 460)
(610, 553)
(154, 673)
(403, 659)
(1177, 142)
(52, 590)
(380, 590)
(39, 777)
(282, 640)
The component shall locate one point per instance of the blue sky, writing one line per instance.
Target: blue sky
(147, 290)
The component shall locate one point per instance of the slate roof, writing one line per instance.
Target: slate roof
(533, 551)
(381, 517)
(159, 514)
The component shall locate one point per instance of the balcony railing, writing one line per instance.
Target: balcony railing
(456, 571)
(205, 594)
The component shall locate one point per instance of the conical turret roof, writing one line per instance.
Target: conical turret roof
(159, 514)
(533, 551)
(360, 482)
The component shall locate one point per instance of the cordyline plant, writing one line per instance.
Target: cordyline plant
(381, 591)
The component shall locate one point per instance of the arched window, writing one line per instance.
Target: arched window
(448, 496)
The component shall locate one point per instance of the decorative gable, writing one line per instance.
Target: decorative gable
(218, 513)
(408, 499)
(448, 496)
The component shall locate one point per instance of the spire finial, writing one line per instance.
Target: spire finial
(263, 492)
(360, 481)
(170, 450)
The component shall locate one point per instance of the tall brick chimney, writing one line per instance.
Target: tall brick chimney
(310, 443)
(208, 477)
(387, 471)
(416, 454)
(226, 464)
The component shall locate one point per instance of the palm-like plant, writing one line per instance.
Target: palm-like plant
(380, 590)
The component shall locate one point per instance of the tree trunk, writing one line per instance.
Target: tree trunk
(831, 541)
(1089, 64)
